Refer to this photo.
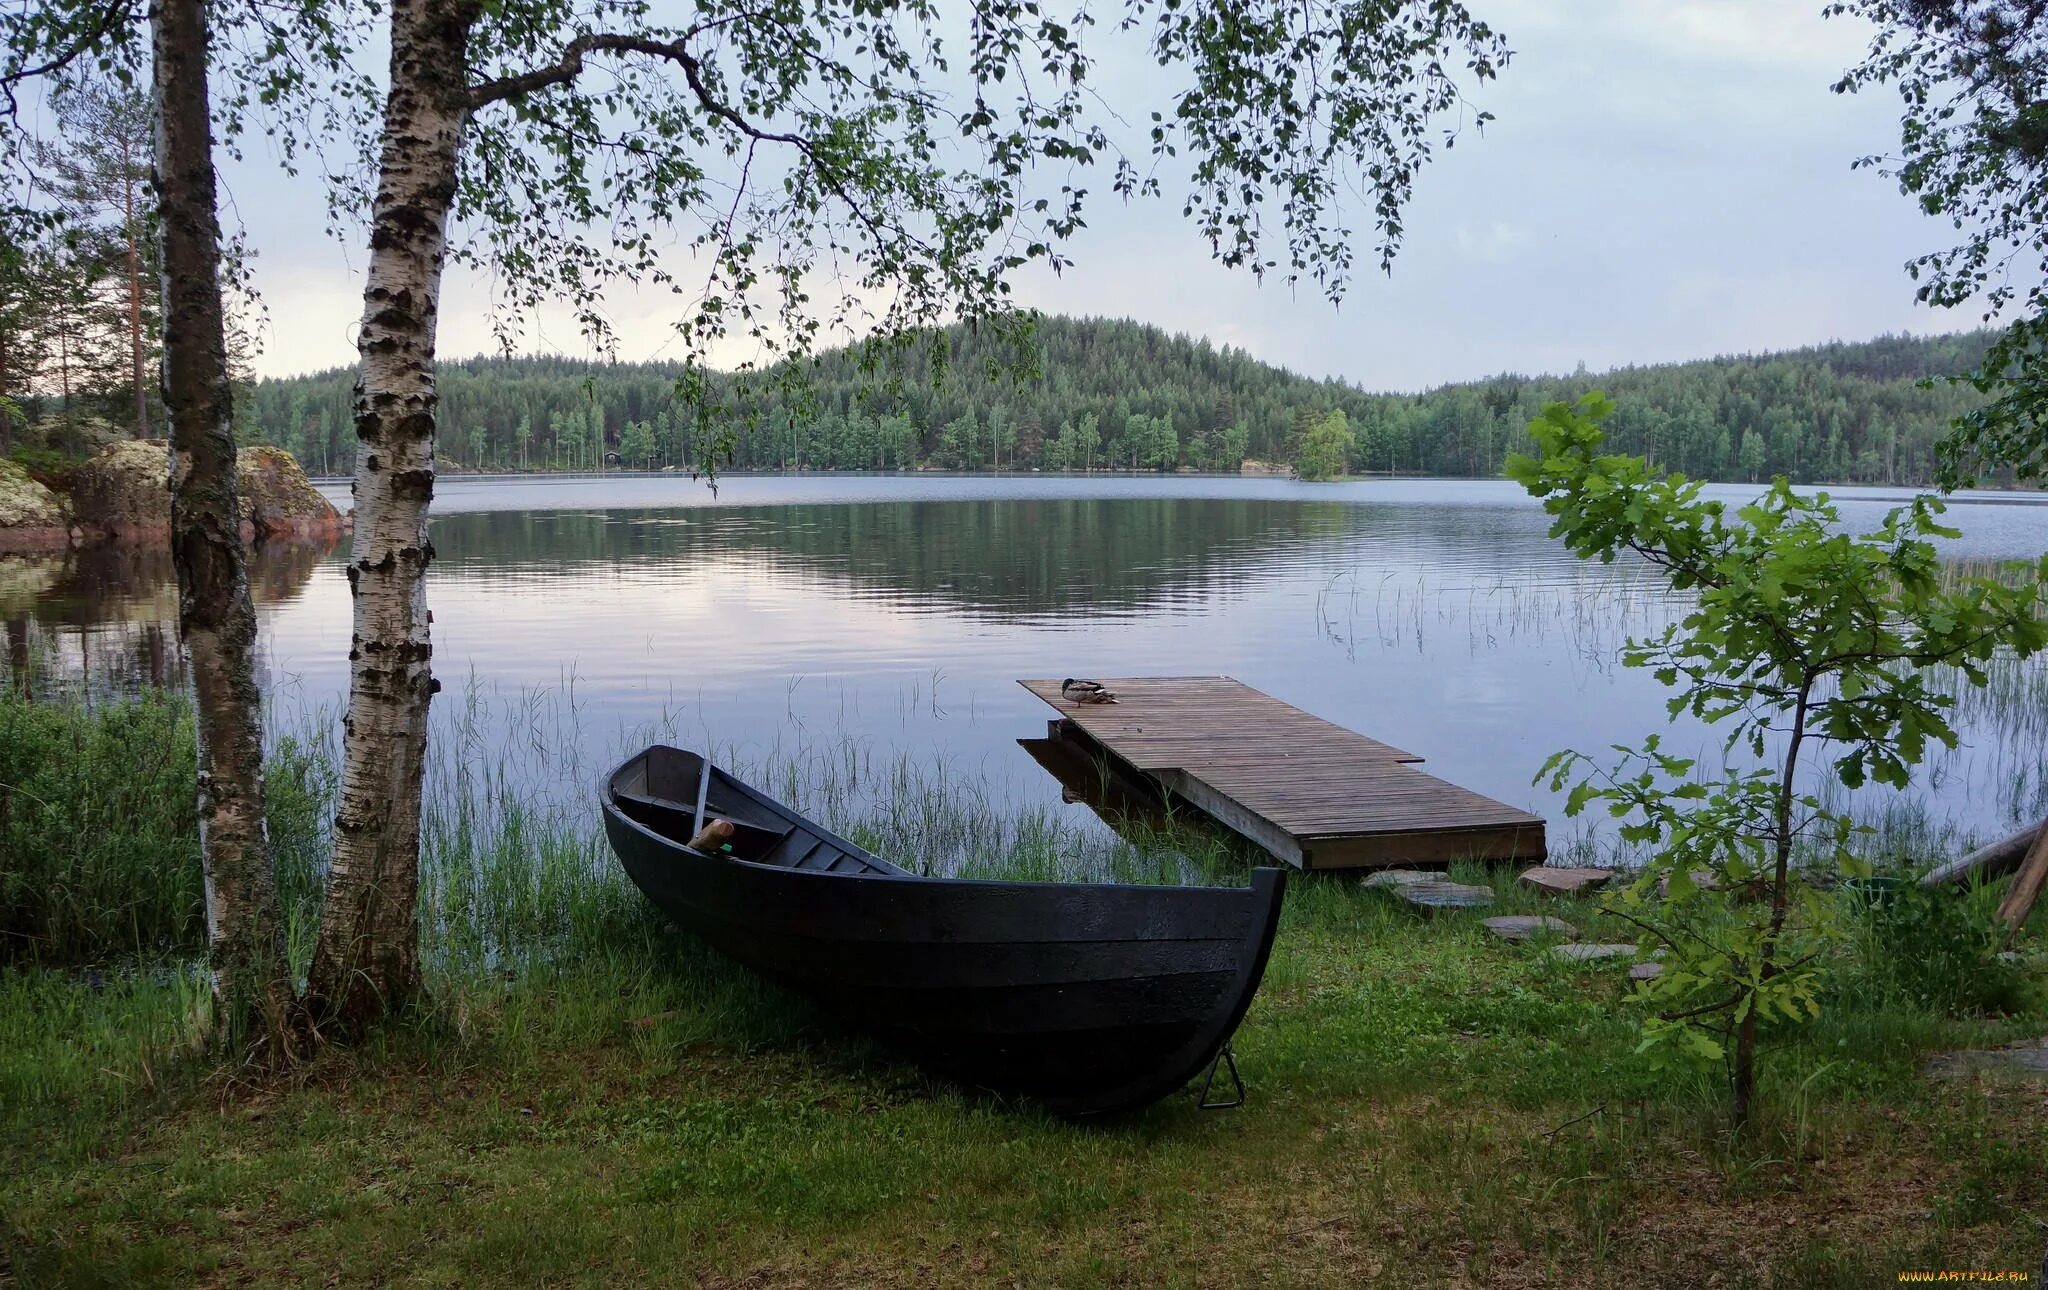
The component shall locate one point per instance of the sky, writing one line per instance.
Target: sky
(1664, 180)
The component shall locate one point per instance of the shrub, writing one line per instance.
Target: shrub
(99, 848)
(99, 842)
(1937, 951)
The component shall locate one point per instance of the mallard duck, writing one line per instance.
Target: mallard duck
(1074, 691)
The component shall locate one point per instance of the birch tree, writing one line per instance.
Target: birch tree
(65, 46)
(216, 617)
(793, 171)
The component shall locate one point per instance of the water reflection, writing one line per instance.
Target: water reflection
(1028, 561)
(791, 617)
(106, 616)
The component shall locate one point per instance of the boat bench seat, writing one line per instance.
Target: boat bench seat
(750, 839)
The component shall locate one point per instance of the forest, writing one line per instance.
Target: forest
(1105, 394)
(80, 324)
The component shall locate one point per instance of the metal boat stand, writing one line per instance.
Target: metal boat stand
(1226, 1060)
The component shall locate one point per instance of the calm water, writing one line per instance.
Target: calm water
(788, 614)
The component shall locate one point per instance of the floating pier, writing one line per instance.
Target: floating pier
(1312, 793)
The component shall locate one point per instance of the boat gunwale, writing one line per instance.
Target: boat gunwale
(901, 874)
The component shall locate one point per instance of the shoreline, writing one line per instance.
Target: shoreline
(49, 540)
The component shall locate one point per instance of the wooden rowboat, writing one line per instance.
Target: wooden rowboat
(1083, 997)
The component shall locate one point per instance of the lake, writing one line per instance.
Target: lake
(794, 616)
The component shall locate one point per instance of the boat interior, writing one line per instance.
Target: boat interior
(660, 792)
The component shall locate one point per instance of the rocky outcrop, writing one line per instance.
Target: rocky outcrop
(32, 517)
(278, 501)
(1252, 466)
(123, 493)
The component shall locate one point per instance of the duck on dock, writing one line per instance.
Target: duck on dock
(1075, 691)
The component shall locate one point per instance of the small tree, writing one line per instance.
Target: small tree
(1802, 635)
(1326, 448)
(1231, 442)
(99, 169)
(636, 446)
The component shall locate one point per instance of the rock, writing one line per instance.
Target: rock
(1646, 971)
(1566, 882)
(2019, 1061)
(278, 501)
(1701, 878)
(1402, 877)
(1523, 927)
(1436, 895)
(1749, 892)
(31, 516)
(24, 503)
(1589, 953)
(123, 491)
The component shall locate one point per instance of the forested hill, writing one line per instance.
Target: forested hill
(1120, 395)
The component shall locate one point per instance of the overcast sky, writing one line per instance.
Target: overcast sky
(1666, 179)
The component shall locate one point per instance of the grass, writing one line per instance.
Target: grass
(96, 851)
(99, 840)
(1428, 1107)
(592, 1098)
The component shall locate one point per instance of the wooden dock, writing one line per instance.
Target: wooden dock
(1312, 793)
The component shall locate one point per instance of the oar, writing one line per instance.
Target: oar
(703, 791)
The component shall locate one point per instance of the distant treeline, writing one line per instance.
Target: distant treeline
(1123, 396)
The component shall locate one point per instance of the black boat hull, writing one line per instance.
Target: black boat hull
(1086, 998)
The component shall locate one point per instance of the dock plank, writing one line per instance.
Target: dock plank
(1307, 790)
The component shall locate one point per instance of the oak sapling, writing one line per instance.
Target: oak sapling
(1803, 639)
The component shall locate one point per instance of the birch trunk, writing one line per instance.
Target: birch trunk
(6, 378)
(366, 960)
(216, 620)
(135, 352)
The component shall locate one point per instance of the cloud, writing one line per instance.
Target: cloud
(1495, 242)
(1666, 179)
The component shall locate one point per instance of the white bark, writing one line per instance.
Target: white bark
(366, 961)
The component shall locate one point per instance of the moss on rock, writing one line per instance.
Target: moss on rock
(30, 514)
(24, 503)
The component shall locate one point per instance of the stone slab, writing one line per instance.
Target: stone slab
(1646, 971)
(1523, 927)
(1701, 879)
(1403, 877)
(1587, 953)
(1446, 895)
(1560, 881)
(2020, 1061)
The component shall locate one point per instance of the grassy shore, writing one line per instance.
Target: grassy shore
(592, 1098)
